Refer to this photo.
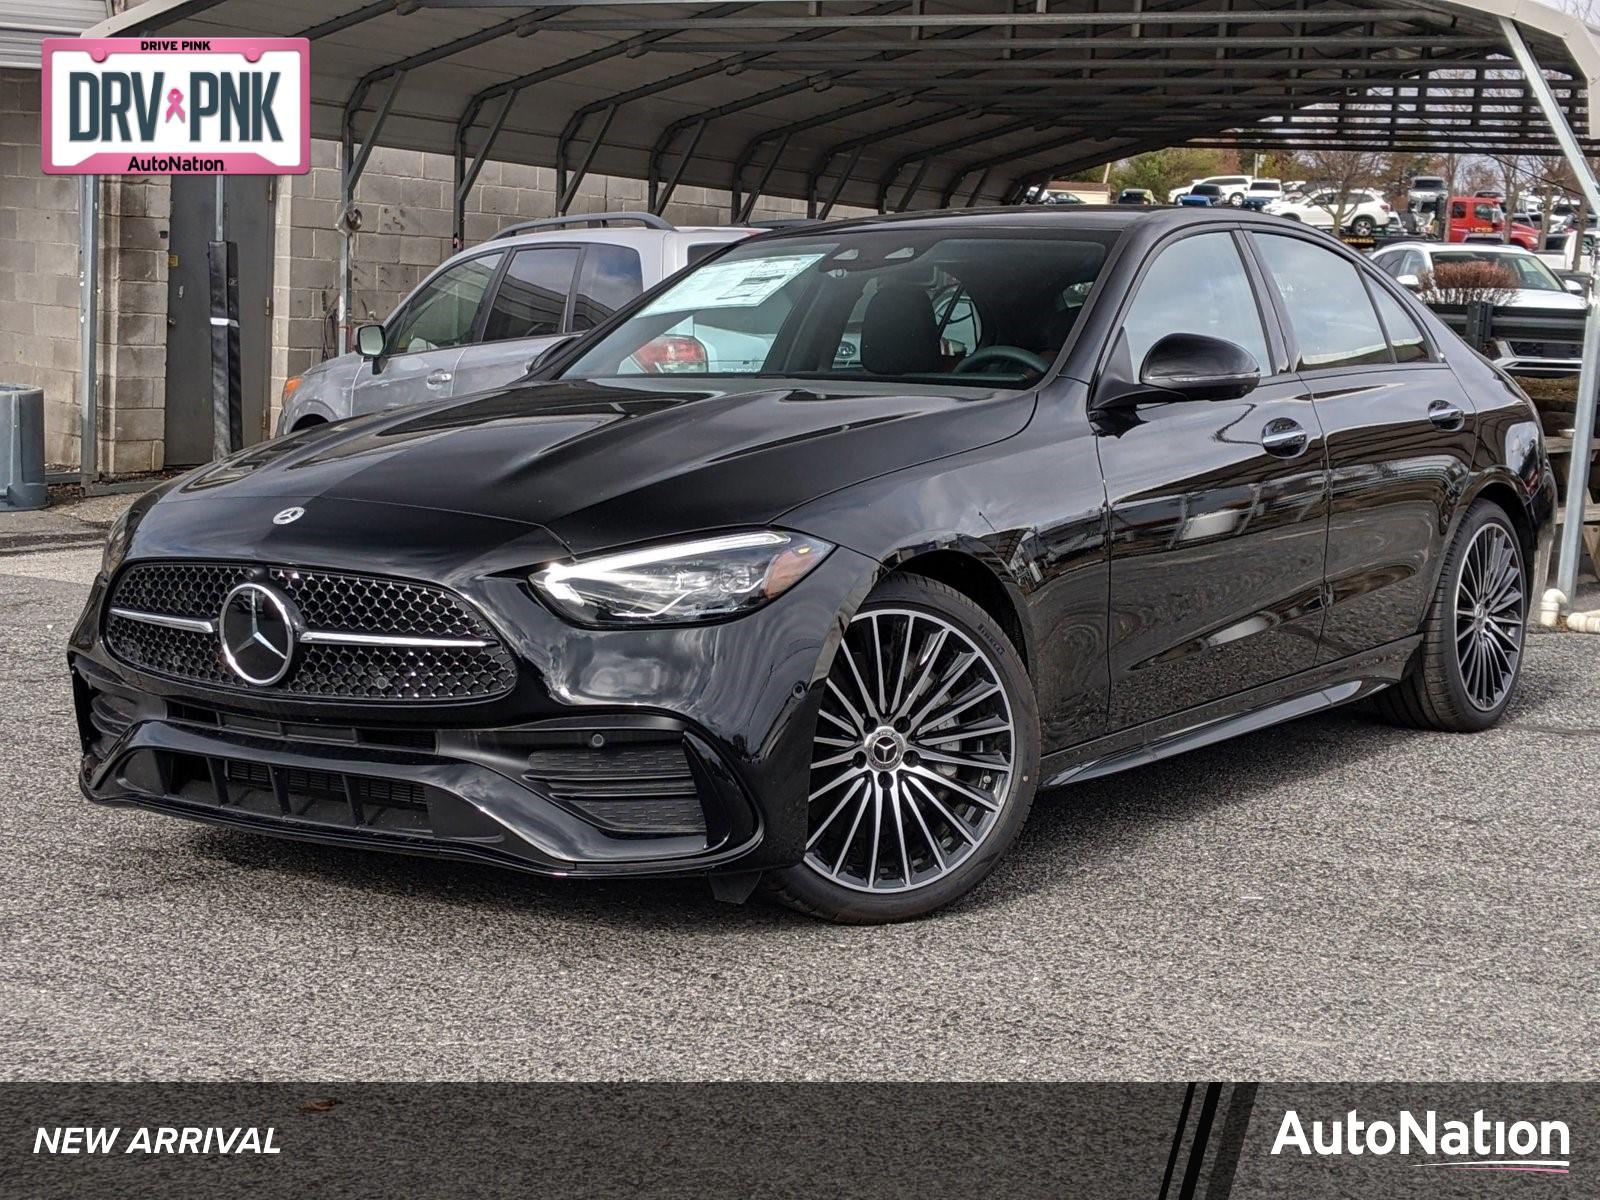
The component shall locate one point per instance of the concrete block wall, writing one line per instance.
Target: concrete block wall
(39, 295)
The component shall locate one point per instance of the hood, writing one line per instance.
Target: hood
(601, 464)
(1531, 298)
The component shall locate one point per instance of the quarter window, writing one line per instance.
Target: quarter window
(443, 312)
(1327, 305)
(1198, 285)
(533, 295)
(609, 278)
(1405, 335)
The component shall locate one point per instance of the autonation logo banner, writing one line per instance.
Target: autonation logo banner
(170, 106)
(1475, 1143)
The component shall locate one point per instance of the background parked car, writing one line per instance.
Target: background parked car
(1261, 193)
(1531, 286)
(1426, 190)
(1364, 212)
(1231, 187)
(1202, 194)
(487, 312)
(1136, 196)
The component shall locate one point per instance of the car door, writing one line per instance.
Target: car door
(1400, 441)
(1217, 509)
(424, 338)
(528, 311)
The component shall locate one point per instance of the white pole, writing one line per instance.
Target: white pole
(1589, 368)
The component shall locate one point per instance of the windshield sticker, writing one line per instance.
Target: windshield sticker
(732, 284)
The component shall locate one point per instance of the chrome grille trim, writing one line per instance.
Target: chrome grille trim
(166, 621)
(310, 636)
(326, 638)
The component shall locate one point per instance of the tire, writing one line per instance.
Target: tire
(1295, 217)
(1236, 200)
(935, 841)
(1363, 227)
(1447, 688)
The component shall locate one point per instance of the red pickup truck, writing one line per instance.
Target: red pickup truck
(1470, 218)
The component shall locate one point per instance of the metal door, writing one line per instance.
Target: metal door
(248, 224)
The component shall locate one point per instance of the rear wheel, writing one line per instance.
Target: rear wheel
(1363, 226)
(1471, 655)
(925, 759)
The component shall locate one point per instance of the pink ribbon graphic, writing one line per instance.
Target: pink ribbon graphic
(174, 106)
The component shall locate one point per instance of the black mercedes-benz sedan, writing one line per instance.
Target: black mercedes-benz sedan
(808, 569)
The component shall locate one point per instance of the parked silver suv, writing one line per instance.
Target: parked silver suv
(486, 313)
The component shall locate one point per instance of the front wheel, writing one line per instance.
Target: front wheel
(925, 759)
(1236, 200)
(1363, 227)
(1471, 654)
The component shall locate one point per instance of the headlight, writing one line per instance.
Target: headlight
(116, 545)
(683, 581)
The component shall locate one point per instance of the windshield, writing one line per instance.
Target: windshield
(919, 306)
(1526, 270)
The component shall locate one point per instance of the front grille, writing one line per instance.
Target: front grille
(329, 602)
(624, 787)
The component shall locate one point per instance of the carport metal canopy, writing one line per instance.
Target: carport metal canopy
(901, 104)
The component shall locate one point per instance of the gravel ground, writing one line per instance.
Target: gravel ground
(1332, 899)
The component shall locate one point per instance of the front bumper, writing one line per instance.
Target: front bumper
(618, 752)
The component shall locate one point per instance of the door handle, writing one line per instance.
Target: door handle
(438, 379)
(1446, 415)
(1284, 438)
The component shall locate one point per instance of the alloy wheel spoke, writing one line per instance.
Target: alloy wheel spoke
(956, 672)
(853, 773)
(900, 830)
(959, 788)
(828, 820)
(877, 662)
(951, 714)
(877, 835)
(962, 734)
(850, 837)
(927, 834)
(860, 721)
(956, 823)
(993, 763)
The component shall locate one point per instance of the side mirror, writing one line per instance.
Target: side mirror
(1576, 288)
(1409, 281)
(1197, 367)
(548, 354)
(370, 341)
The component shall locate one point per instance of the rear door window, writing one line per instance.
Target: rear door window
(1327, 304)
(532, 297)
(609, 278)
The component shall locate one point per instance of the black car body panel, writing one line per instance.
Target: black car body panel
(1166, 580)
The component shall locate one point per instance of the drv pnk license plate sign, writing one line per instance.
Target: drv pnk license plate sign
(176, 106)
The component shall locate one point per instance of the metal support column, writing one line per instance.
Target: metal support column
(1589, 369)
(354, 162)
(88, 328)
(467, 172)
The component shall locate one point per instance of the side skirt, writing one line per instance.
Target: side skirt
(1325, 686)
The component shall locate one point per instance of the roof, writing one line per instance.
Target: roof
(908, 103)
(26, 23)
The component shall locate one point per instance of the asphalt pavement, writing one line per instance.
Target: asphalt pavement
(1331, 899)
